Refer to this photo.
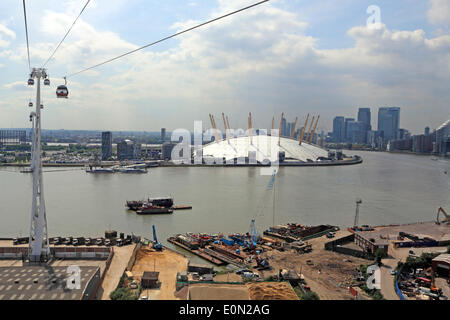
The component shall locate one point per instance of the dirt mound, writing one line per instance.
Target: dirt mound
(271, 291)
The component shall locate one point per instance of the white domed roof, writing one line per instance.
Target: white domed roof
(261, 145)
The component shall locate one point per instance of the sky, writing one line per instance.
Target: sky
(291, 56)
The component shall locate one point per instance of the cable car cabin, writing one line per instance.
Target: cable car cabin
(62, 92)
(42, 106)
(46, 82)
(30, 82)
(30, 104)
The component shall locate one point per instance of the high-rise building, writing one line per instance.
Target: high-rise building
(284, 127)
(106, 145)
(388, 122)
(163, 134)
(443, 138)
(427, 131)
(356, 132)
(365, 117)
(346, 133)
(128, 150)
(338, 129)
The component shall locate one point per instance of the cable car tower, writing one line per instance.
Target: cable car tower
(38, 250)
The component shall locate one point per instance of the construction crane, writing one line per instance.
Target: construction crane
(156, 245)
(303, 130)
(446, 216)
(314, 129)
(355, 223)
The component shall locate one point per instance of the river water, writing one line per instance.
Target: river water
(394, 188)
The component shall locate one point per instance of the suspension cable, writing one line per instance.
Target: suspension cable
(57, 47)
(167, 38)
(26, 33)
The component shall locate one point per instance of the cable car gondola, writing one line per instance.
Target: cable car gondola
(30, 104)
(46, 82)
(30, 82)
(61, 91)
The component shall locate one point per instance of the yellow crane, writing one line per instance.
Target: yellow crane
(303, 130)
(314, 130)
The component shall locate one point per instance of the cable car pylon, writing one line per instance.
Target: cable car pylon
(38, 250)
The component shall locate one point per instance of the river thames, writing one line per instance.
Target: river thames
(394, 188)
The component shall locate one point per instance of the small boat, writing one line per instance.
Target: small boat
(166, 202)
(151, 209)
(91, 169)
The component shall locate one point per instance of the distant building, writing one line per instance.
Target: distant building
(12, 137)
(284, 128)
(106, 145)
(128, 150)
(364, 116)
(356, 132)
(338, 129)
(443, 138)
(403, 134)
(346, 135)
(422, 143)
(163, 134)
(166, 151)
(388, 122)
(427, 131)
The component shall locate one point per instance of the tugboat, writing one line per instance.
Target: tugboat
(166, 202)
(152, 209)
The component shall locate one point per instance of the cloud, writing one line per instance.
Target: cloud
(261, 60)
(439, 12)
(8, 33)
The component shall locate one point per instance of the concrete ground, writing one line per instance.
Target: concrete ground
(168, 263)
(118, 265)
(10, 263)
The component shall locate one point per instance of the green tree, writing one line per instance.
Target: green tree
(310, 295)
(379, 254)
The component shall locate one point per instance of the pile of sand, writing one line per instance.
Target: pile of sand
(271, 291)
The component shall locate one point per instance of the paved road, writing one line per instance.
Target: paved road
(387, 280)
(118, 265)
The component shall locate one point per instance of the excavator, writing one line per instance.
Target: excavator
(446, 216)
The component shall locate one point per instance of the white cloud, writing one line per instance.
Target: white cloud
(439, 12)
(262, 61)
(5, 32)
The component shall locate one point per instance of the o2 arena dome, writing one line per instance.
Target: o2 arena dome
(263, 147)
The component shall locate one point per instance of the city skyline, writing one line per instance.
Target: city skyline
(321, 66)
